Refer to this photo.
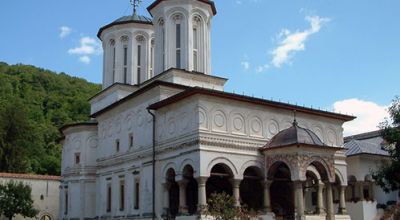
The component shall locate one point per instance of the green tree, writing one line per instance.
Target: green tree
(15, 198)
(388, 174)
(14, 137)
(49, 101)
(222, 207)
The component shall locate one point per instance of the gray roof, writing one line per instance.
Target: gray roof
(133, 18)
(366, 143)
(293, 136)
(125, 20)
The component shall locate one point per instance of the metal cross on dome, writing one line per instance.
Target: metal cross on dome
(135, 4)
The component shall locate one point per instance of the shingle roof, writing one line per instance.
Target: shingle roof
(29, 176)
(366, 143)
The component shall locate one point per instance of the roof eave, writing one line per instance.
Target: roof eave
(211, 3)
(120, 23)
(332, 148)
(198, 90)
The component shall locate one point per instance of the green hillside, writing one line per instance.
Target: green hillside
(34, 104)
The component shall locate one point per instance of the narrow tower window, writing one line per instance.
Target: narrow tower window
(195, 49)
(140, 40)
(162, 41)
(139, 66)
(196, 42)
(178, 46)
(112, 52)
(151, 59)
(124, 40)
(125, 64)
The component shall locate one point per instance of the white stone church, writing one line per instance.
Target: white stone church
(164, 135)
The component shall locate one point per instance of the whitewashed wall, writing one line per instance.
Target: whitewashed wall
(49, 189)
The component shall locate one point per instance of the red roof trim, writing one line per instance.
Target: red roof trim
(29, 176)
(211, 3)
(214, 93)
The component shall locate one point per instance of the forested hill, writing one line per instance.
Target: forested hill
(34, 104)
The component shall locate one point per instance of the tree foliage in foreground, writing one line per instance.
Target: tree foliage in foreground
(222, 207)
(388, 174)
(15, 198)
(34, 104)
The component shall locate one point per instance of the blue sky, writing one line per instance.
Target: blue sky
(334, 54)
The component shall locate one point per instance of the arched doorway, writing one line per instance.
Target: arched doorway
(191, 190)
(173, 193)
(281, 190)
(219, 180)
(311, 192)
(251, 188)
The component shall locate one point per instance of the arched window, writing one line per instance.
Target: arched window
(140, 51)
(178, 39)
(112, 53)
(151, 72)
(162, 45)
(124, 40)
(196, 41)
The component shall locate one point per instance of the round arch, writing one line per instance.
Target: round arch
(168, 166)
(188, 162)
(323, 168)
(226, 162)
(272, 170)
(252, 163)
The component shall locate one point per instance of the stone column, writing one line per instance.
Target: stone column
(342, 201)
(166, 197)
(202, 197)
(267, 197)
(299, 199)
(182, 197)
(236, 191)
(320, 199)
(371, 191)
(361, 190)
(329, 200)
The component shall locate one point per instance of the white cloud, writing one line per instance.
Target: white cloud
(88, 47)
(65, 31)
(85, 59)
(289, 42)
(262, 68)
(245, 64)
(369, 115)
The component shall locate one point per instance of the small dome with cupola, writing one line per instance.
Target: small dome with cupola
(295, 135)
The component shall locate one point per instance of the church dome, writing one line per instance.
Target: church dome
(139, 19)
(293, 136)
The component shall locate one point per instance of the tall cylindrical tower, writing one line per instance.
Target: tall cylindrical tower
(182, 33)
(129, 47)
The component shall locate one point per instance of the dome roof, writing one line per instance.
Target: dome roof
(125, 20)
(293, 136)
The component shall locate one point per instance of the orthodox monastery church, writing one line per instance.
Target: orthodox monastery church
(164, 135)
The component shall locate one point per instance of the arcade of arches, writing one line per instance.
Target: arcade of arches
(278, 193)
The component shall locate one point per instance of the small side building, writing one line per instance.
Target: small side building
(364, 154)
(45, 193)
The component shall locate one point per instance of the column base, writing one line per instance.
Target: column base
(191, 217)
(342, 211)
(342, 217)
(266, 216)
